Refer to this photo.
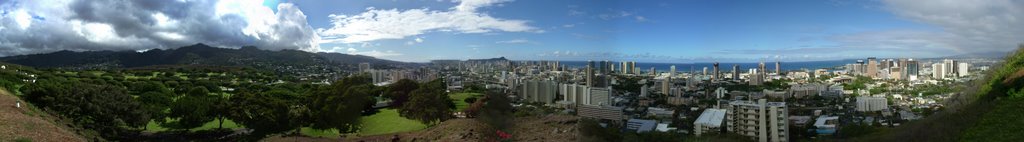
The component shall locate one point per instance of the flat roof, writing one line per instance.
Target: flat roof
(711, 117)
(820, 122)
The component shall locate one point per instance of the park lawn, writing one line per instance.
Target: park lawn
(384, 122)
(152, 126)
(459, 97)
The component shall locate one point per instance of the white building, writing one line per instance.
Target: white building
(937, 71)
(963, 68)
(575, 93)
(710, 121)
(761, 120)
(871, 103)
(539, 91)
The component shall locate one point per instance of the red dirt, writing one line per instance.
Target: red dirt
(24, 124)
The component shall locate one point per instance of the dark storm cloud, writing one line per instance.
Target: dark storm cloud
(28, 27)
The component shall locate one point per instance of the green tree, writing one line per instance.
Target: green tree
(194, 109)
(340, 105)
(266, 113)
(399, 91)
(106, 109)
(428, 104)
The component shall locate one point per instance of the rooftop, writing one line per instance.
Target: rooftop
(711, 117)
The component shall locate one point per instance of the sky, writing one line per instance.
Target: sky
(668, 31)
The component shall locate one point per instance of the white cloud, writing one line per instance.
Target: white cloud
(515, 41)
(373, 53)
(378, 24)
(967, 26)
(472, 5)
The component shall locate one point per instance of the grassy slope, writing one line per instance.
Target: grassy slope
(28, 123)
(1005, 121)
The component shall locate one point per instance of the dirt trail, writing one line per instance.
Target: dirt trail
(25, 124)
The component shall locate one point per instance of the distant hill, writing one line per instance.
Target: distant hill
(198, 54)
(990, 55)
(488, 60)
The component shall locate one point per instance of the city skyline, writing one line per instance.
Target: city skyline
(423, 30)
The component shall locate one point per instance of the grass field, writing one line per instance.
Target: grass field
(458, 97)
(384, 122)
(152, 126)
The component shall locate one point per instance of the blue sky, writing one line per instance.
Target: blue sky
(645, 30)
(676, 31)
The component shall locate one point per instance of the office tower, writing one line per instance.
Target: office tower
(778, 67)
(625, 67)
(672, 71)
(590, 73)
(666, 84)
(937, 69)
(913, 69)
(632, 67)
(872, 69)
(859, 67)
(762, 71)
(760, 119)
(755, 77)
(605, 67)
(714, 75)
(950, 68)
(963, 68)
(735, 72)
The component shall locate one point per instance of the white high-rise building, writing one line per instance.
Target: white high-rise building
(761, 120)
(963, 69)
(871, 103)
(949, 68)
(937, 71)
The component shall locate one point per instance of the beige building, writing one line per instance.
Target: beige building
(761, 120)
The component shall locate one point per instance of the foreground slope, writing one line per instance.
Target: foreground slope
(20, 124)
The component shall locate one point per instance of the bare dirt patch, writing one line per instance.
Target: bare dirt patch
(25, 124)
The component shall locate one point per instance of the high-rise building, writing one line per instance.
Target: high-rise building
(913, 69)
(872, 69)
(735, 72)
(937, 71)
(949, 67)
(672, 71)
(963, 69)
(778, 67)
(539, 91)
(761, 120)
(666, 84)
(762, 71)
(715, 75)
(590, 73)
